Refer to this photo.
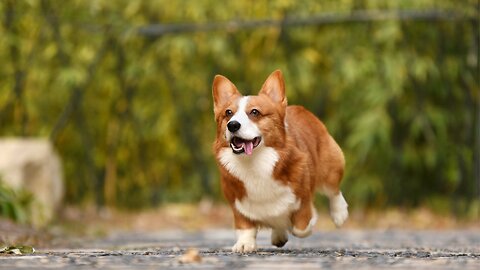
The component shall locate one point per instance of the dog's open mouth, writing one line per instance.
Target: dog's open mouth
(240, 145)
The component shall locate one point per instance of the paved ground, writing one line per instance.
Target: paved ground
(324, 250)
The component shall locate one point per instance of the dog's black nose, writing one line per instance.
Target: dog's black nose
(233, 126)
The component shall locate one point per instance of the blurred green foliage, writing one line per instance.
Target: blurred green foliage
(15, 205)
(132, 117)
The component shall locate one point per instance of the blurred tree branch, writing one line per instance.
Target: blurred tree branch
(72, 107)
(155, 30)
(476, 140)
(77, 91)
(19, 74)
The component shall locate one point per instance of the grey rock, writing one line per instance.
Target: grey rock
(33, 165)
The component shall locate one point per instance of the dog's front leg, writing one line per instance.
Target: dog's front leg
(304, 219)
(279, 237)
(246, 231)
(245, 240)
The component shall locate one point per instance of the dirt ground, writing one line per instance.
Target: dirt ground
(210, 249)
(186, 236)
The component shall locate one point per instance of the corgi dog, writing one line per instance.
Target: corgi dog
(272, 158)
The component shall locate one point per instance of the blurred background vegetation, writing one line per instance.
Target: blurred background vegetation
(123, 90)
(15, 204)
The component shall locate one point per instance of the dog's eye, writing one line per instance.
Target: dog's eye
(255, 112)
(228, 112)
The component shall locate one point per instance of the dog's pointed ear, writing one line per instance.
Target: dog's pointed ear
(274, 88)
(223, 90)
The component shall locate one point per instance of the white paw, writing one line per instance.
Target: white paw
(244, 247)
(338, 209)
(279, 237)
(308, 230)
(301, 233)
(245, 241)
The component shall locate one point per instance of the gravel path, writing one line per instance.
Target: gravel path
(331, 250)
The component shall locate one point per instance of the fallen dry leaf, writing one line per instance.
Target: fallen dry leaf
(191, 256)
(17, 250)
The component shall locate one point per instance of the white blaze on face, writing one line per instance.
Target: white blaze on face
(248, 130)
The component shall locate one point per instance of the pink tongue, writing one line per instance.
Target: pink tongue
(248, 147)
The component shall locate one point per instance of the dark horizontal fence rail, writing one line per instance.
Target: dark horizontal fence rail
(319, 19)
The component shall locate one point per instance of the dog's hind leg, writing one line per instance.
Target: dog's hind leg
(338, 208)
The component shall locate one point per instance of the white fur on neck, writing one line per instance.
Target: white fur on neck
(267, 200)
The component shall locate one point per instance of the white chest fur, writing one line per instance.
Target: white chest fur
(267, 200)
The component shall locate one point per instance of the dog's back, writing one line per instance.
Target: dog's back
(325, 158)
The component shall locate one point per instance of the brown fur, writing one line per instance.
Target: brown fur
(309, 157)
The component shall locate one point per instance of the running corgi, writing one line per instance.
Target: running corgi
(272, 158)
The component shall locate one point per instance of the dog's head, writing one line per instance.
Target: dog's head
(247, 122)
